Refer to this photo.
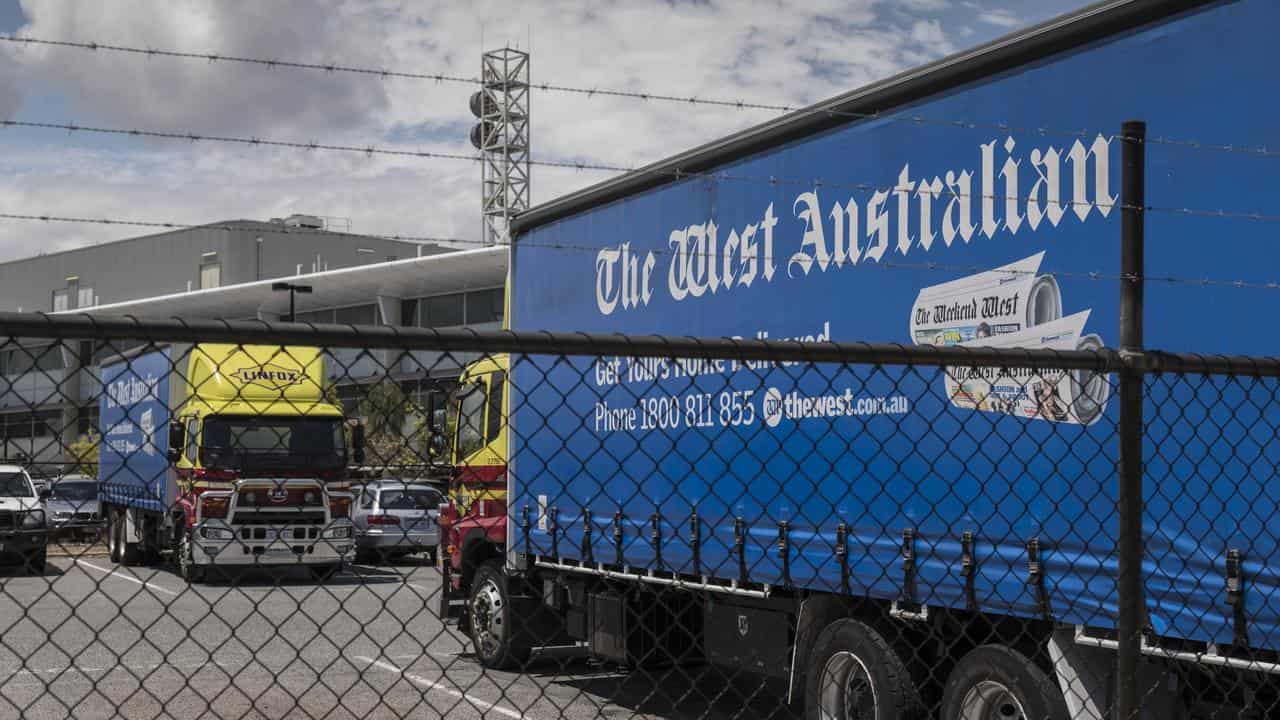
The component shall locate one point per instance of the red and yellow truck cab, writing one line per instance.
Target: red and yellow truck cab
(474, 522)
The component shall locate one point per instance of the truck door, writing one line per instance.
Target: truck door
(479, 440)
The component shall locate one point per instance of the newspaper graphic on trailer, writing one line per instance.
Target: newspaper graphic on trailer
(1011, 307)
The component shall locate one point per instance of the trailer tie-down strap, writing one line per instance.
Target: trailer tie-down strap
(1235, 596)
(1035, 577)
(909, 566)
(968, 569)
(587, 558)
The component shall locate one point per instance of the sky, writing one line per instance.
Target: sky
(777, 53)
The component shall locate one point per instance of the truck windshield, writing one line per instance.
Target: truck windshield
(466, 418)
(14, 485)
(247, 443)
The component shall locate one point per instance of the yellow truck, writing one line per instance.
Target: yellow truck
(225, 456)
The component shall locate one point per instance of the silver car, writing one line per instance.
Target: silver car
(73, 507)
(393, 519)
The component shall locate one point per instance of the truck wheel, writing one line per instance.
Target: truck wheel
(323, 573)
(36, 561)
(994, 682)
(113, 535)
(130, 553)
(187, 568)
(494, 633)
(853, 674)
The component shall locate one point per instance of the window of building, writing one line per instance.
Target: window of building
(409, 312)
(60, 300)
(210, 275)
(48, 358)
(443, 310)
(87, 420)
(18, 361)
(315, 316)
(84, 297)
(484, 306)
(29, 425)
(26, 359)
(358, 315)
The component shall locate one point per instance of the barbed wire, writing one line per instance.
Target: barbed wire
(675, 173)
(369, 150)
(218, 57)
(884, 264)
(550, 87)
(385, 73)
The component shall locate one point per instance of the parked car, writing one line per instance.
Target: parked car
(23, 528)
(73, 507)
(394, 518)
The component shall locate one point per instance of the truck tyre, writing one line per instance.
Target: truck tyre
(853, 674)
(127, 552)
(36, 561)
(323, 573)
(994, 682)
(113, 535)
(498, 642)
(187, 568)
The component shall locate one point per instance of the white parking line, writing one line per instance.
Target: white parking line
(87, 671)
(438, 687)
(123, 576)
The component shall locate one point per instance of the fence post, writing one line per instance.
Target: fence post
(1132, 201)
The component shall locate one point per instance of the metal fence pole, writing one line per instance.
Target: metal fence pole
(1132, 191)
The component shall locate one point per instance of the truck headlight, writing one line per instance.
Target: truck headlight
(33, 519)
(338, 533)
(217, 533)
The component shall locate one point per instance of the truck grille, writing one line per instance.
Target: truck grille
(269, 517)
(8, 519)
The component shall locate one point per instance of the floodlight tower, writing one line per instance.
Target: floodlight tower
(502, 137)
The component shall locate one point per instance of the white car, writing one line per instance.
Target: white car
(23, 527)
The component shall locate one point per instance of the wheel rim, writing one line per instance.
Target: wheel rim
(186, 562)
(113, 539)
(487, 618)
(990, 700)
(846, 691)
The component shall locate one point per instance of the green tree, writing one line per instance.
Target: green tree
(82, 455)
(384, 409)
(390, 439)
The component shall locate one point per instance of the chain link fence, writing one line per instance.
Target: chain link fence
(236, 520)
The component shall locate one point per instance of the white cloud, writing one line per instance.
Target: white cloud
(1000, 18)
(760, 50)
(203, 96)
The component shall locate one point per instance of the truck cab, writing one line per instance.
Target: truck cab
(253, 470)
(473, 522)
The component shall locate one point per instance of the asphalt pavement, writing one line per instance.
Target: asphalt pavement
(93, 640)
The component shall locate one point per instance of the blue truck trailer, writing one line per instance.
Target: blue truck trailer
(971, 202)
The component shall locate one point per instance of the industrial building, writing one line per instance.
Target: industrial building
(227, 270)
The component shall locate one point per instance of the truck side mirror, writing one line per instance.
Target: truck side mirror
(437, 446)
(177, 439)
(357, 443)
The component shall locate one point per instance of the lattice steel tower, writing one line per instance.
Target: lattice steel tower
(502, 137)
